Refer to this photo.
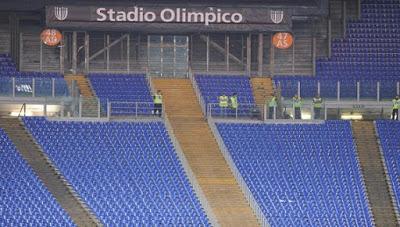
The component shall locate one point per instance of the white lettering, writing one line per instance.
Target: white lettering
(99, 12)
(195, 17)
(167, 15)
(149, 16)
(236, 18)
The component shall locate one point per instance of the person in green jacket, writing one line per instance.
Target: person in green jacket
(272, 104)
(395, 107)
(317, 105)
(297, 104)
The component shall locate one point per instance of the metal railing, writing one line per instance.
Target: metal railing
(23, 108)
(242, 183)
(243, 111)
(33, 87)
(121, 109)
(197, 92)
(359, 90)
(329, 110)
(388, 180)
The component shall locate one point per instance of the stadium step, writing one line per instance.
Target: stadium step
(46, 172)
(262, 89)
(89, 100)
(374, 173)
(202, 152)
(90, 106)
(82, 82)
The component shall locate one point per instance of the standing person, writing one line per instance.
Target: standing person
(157, 100)
(317, 105)
(223, 103)
(272, 104)
(234, 101)
(297, 104)
(396, 106)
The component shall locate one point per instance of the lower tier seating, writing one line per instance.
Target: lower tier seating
(127, 172)
(24, 200)
(301, 175)
(389, 135)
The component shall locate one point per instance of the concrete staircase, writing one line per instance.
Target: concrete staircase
(82, 82)
(262, 89)
(47, 173)
(202, 152)
(90, 105)
(374, 173)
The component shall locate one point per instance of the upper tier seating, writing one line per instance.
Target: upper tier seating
(389, 134)
(369, 53)
(127, 172)
(212, 86)
(25, 82)
(25, 201)
(122, 88)
(300, 175)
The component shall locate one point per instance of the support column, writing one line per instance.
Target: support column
(62, 54)
(227, 43)
(248, 54)
(108, 53)
(378, 91)
(207, 52)
(329, 37)
(41, 57)
(74, 52)
(14, 37)
(21, 51)
(344, 16)
(128, 53)
(260, 53)
(314, 54)
(87, 52)
(272, 59)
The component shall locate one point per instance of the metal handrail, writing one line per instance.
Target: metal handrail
(23, 107)
(388, 180)
(197, 92)
(189, 172)
(239, 178)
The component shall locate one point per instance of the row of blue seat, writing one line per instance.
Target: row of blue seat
(301, 175)
(127, 172)
(25, 201)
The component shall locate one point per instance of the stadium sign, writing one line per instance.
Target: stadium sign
(168, 19)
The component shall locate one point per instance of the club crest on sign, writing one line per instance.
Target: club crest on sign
(61, 13)
(276, 16)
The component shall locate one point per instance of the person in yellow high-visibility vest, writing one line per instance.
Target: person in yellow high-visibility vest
(272, 104)
(223, 103)
(157, 100)
(297, 104)
(234, 101)
(395, 107)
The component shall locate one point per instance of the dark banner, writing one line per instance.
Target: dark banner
(165, 19)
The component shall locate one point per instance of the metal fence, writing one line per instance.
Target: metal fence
(33, 87)
(330, 110)
(117, 109)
